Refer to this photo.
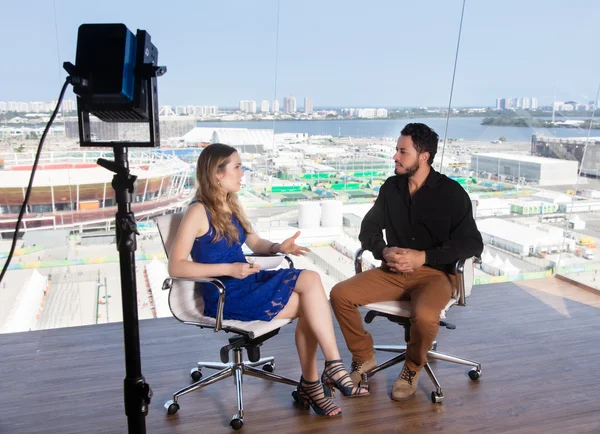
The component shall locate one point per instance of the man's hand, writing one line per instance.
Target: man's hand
(401, 260)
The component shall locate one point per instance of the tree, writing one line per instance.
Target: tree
(502, 139)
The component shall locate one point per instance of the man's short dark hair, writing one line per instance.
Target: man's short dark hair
(424, 138)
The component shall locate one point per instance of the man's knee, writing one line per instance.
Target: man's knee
(441, 285)
(339, 294)
(425, 315)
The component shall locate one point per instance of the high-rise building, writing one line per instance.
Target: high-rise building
(308, 106)
(264, 106)
(248, 106)
(289, 104)
(525, 103)
(275, 106)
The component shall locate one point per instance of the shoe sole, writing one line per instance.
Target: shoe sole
(403, 399)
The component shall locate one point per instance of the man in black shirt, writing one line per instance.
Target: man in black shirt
(429, 225)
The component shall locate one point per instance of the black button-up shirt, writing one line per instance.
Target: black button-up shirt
(437, 219)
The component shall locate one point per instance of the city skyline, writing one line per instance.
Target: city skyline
(37, 106)
(395, 55)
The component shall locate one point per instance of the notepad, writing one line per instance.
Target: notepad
(266, 262)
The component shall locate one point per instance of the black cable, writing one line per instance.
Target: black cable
(35, 163)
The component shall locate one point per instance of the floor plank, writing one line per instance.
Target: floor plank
(537, 342)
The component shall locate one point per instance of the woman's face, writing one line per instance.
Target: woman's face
(231, 178)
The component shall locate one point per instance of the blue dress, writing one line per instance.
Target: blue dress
(260, 296)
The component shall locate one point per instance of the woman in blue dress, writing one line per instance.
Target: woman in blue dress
(213, 231)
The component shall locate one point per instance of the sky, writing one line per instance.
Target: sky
(341, 53)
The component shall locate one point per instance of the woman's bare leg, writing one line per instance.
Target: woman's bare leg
(306, 345)
(314, 306)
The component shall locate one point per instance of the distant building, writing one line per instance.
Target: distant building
(539, 170)
(525, 103)
(308, 106)
(248, 106)
(289, 104)
(570, 148)
(534, 104)
(250, 140)
(275, 106)
(68, 105)
(517, 238)
(264, 106)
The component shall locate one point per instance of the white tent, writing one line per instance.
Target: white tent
(22, 316)
(491, 264)
(509, 268)
(486, 257)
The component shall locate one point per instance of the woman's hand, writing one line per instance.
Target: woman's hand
(289, 246)
(241, 270)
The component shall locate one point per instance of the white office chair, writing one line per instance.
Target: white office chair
(400, 312)
(187, 305)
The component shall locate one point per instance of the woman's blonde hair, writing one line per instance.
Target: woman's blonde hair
(212, 160)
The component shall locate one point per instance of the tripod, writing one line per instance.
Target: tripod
(99, 69)
(137, 392)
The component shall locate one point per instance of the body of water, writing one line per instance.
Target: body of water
(458, 128)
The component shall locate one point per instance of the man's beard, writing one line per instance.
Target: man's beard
(409, 171)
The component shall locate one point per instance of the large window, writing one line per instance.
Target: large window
(314, 95)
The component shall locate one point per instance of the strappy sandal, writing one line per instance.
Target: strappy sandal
(344, 384)
(312, 394)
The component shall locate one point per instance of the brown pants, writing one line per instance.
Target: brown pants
(428, 290)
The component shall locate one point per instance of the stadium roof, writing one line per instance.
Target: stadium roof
(231, 136)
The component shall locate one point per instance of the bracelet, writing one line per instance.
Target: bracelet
(271, 252)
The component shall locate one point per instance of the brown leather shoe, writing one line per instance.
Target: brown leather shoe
(405, 385)
(359, 367)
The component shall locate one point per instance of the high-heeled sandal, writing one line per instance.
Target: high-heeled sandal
(344, 384)
(307, 395)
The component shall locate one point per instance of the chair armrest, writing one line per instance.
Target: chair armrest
(459, 272)
(168, 284)
(358, 260)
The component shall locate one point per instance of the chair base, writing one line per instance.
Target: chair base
(235, 369)
(437, 395)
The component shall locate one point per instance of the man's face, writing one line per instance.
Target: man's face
(406, 157)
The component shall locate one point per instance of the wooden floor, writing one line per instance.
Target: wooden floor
(538, 342)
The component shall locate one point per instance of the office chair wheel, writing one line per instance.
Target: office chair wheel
(236, 422)
(196, 374)
(436, 397)
(269, 367)
(474, 374)
(171, 407)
